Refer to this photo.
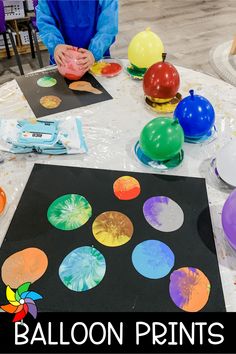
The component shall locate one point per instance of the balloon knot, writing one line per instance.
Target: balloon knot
(191, 94)
(164, 57)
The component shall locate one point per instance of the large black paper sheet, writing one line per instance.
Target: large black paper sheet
(123, 288)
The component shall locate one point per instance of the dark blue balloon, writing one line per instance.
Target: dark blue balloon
(196, 115)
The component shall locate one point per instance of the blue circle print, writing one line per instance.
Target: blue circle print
(82, 269)
(153, 259)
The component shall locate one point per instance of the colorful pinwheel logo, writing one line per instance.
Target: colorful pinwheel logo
(21, 302)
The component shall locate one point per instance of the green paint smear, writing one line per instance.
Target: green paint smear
(136, 72)
(159, 165)
(46, 81)
(69, 212)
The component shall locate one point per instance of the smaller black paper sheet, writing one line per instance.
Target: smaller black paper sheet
(69, 99)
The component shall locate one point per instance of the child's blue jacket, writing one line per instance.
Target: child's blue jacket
(90, 24)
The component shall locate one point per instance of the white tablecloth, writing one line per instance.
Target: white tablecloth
(111, 130)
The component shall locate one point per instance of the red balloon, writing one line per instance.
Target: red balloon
(71, 69)
(161, 80)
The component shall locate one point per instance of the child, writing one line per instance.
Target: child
(90, 25)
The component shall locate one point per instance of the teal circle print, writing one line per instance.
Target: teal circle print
(153, 259)
(46, 81)
(69, 212)
(82, 269)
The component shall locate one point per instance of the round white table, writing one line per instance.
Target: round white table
(112, 128)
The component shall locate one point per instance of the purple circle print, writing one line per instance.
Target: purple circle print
(189, 289)
(163, 213)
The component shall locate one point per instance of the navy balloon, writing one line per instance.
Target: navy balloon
(196, 115)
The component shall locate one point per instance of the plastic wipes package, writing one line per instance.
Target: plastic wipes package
(54, 137)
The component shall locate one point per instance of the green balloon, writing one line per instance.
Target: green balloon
(162, 138)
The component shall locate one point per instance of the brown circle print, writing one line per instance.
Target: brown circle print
(112, 228)
(50, 102)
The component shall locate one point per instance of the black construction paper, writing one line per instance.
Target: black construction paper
(70, 99)
(122, 288)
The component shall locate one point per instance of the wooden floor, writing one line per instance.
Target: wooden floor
(188, 29)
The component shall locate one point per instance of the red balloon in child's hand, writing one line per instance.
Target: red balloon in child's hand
(71, 68)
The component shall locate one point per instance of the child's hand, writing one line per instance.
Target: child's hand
(60, 53)
(86, 59)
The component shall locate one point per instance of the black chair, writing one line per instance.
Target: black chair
(33, 30)
(6, 31)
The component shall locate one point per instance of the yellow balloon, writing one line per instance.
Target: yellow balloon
(145, 49)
